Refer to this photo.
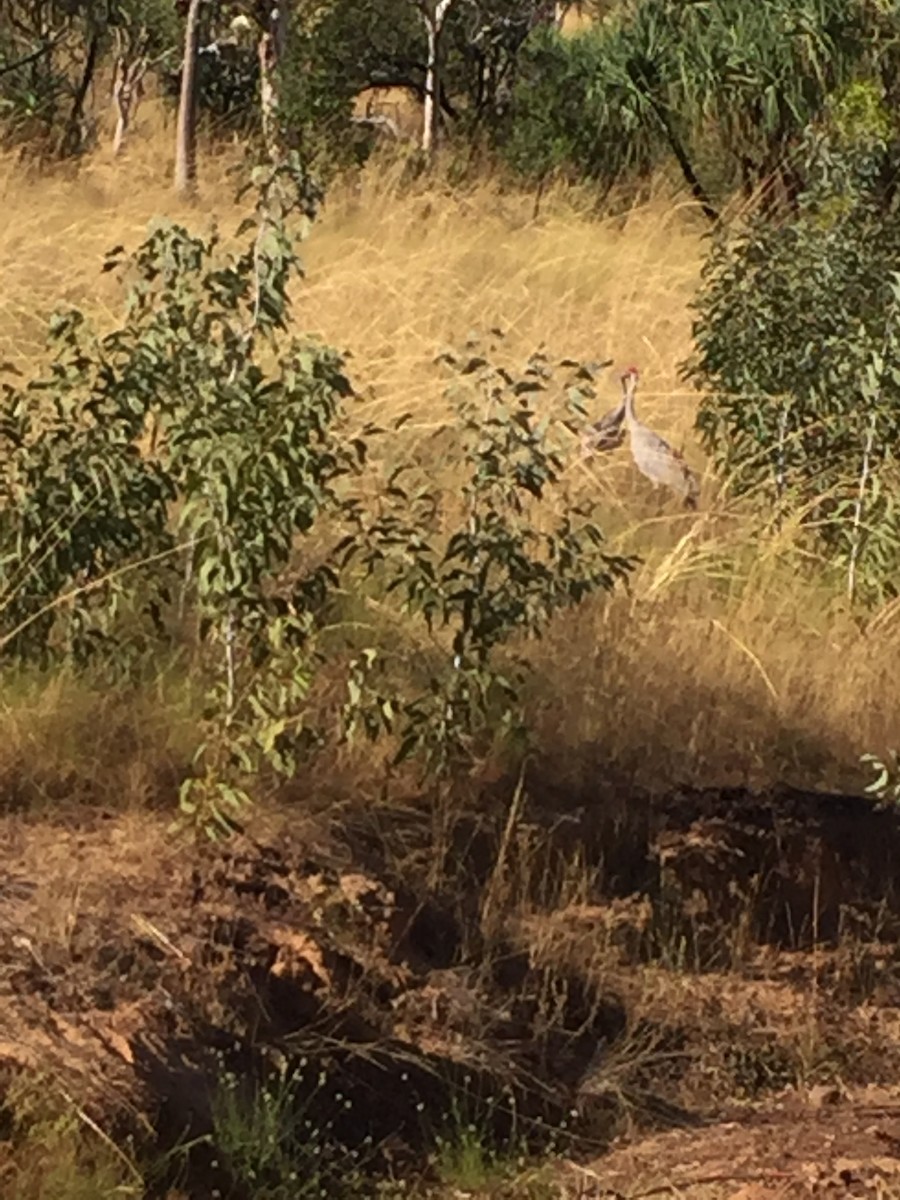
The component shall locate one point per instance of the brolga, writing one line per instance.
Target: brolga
(653, 456)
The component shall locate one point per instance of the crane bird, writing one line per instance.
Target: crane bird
(653, 456)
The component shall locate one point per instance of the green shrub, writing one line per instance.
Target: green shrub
(798, 350)
(154, 482)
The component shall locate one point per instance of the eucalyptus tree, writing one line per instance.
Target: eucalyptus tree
(340, 49)
(484, 41)
(458, 58)
(485, 37)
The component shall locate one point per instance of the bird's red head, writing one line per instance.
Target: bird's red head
(630, 373)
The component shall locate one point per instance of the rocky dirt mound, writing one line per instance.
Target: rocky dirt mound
(134, 969)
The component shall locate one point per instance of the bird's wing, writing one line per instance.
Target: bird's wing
(610, 420)
(686, 479)
(607, 433)
(602, 439)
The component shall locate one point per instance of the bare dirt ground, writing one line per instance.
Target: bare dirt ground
(826, 1140)
(719, 1017)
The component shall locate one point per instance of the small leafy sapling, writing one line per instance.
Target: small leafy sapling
(259, 462)
(476, 585)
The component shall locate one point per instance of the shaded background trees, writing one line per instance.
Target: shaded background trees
(53, 54)
(789, 101)
(719, 89)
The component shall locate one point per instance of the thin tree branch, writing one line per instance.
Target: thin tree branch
(8, 68)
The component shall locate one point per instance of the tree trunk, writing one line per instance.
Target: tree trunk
(128, 76)
(271, 50)
(186, 135)
(691, 177)
(123, 109)
(433, 15)
(432, 82)
(74, 137)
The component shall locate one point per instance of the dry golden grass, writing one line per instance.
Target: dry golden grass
(730, 658)
(57, 228)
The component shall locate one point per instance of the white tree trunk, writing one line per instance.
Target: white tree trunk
(432, 83)
(186, 135)
(271, 51)
(128, 86)
(433, 15)
(121, 128)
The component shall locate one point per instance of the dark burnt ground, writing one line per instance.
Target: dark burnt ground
(610, 966)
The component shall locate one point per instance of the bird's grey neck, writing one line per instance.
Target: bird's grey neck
(630, 415)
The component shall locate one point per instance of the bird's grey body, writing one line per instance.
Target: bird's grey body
(653, 456)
